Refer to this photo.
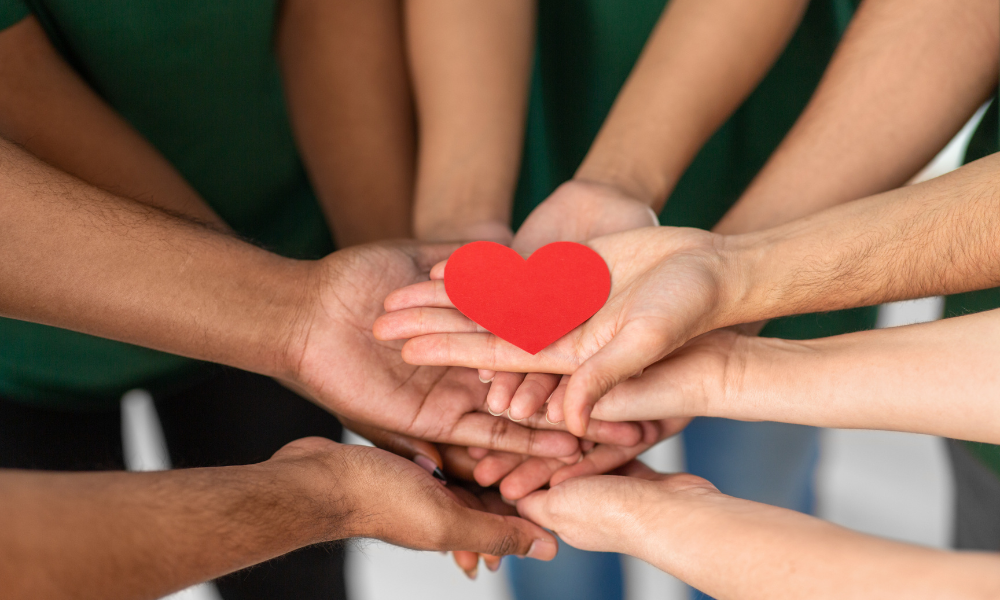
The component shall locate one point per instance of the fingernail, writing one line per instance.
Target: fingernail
(472, 574)
(508, 501)
(493, 567)
(490, 410)
(439, 475)
(490, 380)
(512, 418)
(425, 463)
(550, 421)
(541, 550)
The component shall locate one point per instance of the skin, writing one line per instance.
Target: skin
(471, 63)
(344, 73)
(905, 78)
(737, 549)
(191, 525)
(670, 285)
(935, 378)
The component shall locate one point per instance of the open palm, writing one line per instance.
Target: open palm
(665, 289)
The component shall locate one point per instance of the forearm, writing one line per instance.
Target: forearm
(74, 256)
(936, 378)
(907, 76)
(700, 63)
(344, 71)
(51, 112)
(144, 535)
(736, 549)
(471, 64)
(937, 237)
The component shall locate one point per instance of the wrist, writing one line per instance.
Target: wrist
(647, 184)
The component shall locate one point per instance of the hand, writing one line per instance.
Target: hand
(367, 492)
(338, 362)
(579, 211)
(611, 513)
(668, 285)
(520, 475)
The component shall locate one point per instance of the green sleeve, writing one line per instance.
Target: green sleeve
(11, 12)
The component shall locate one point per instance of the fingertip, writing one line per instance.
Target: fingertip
(437, 271)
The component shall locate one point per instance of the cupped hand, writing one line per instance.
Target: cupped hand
(337, 361)
(612, 513)
(667, 286)
(375, 494)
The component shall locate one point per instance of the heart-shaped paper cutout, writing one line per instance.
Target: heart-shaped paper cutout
(530, 303)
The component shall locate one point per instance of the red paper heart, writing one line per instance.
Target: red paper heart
(530, 303)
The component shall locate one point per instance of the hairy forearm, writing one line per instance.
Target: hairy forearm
(76, 257)
(143, 535)
(907, 76)
(736, 549)
(348, 92)
(700, 63)
(51, 112)
(470, 62)
(937, 237)
(937, 378)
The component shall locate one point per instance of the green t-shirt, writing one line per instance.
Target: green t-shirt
(586, 49)
(984, 142)
(200, 81)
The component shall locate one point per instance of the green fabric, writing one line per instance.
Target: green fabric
(199, 80)
(985, 141)
(586, 49)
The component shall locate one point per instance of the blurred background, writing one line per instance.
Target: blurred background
(894, 485)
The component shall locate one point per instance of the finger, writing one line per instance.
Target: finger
(528, 477)
(497, 535)
(555, 413)
(602, 432)
(637, 468)
(482, 351)
(629, 351)
(437, 271)
(412, 322)
(478, 453)
(421, 452)
(498, 433)
(534, 507)
(425, 293)
(468, 562)
(496, 466)
(486, 376)
(534, 390)
(604, 458)
(429, 256)
(457, 462)
(502, 390)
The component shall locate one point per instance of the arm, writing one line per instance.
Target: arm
(52, 113)
(132, 535)
(344, 70)
(470, 62)
(934, 378)
(737, 549)
(906, 77)
(670, 285)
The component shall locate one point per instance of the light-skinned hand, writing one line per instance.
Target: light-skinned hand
(666, 288)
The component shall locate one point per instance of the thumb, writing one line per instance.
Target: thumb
(630, 351)
(498, 535)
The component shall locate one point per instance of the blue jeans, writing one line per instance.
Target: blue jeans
(766, 462)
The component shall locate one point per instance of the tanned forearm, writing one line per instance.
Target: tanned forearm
(471, 65)
(736, 549)
(344, 70)
(127, 271)
(700, 63)
(144, 535)
(51, 112)
(937, 237)
(900, 379)
(907, 76)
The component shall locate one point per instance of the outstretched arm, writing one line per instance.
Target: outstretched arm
(143, 535)
(471, 64)
(741, 550)
(906, 77)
